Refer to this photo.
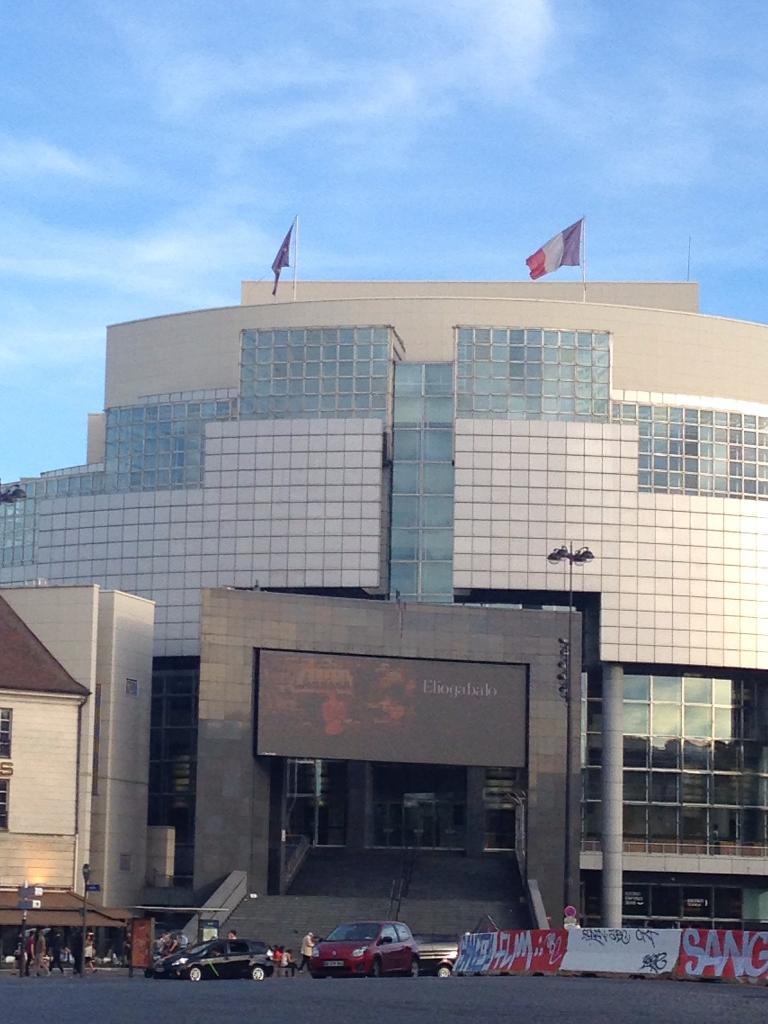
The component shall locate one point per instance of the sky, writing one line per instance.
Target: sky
(153, 155)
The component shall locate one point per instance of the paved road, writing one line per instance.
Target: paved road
(118, 1000)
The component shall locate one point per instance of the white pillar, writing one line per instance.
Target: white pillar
(612, 793)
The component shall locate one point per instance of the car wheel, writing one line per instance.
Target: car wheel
(414, 971)
(443, 971)
(195, 973)
(258, 973)
(376, 968)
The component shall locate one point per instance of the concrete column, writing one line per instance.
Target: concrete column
(613, 793)
(475, 815)
(359, 809)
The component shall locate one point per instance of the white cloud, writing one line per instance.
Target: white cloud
(35, 157)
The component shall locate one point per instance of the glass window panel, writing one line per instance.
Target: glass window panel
(665, 900)
(634, 822)
(635, 718)
(727, 756)
(637, 687)
(694, 822)
(403, 577)
(409, 374)
(665, 752)
(698, 721)
(666, 720)
(592, 820)
(724, 691)
(726, 790)
(695, 788)
(753, 827)
(438, 478)
(405, 511)
(592, 783)
(725, 723)
(438, 445)
(667, 688)
(408, 410)
(696, 755)
(697, 691)
(438, 410)
(437, 544)
(407, 444)
(436, 578)
(405, 478)
(405, 545)
(727, 902)
(438, 374)
(635, 752)
(438, 511)
(636, 785)
(665, 787)
(662, 823)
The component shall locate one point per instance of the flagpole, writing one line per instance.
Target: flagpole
(295, 254)
(584, 258)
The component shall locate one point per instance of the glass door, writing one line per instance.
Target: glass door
(316, 800)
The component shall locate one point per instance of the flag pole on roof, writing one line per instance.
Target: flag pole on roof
(584, 258)
(295, 253)
(283, 257)
(563, 250)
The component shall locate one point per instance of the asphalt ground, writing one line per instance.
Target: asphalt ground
(111, 998)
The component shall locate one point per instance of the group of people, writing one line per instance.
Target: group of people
(41, 951)
(170, 942)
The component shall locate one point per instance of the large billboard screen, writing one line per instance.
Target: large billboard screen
(391, 709)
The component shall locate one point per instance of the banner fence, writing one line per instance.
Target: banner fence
(687, 954)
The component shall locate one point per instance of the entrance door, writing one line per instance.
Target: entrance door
(420, 826)
(419, 806)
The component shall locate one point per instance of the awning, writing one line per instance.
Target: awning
(61, 909)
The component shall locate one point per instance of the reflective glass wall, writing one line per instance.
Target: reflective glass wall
(421, 567)
(695, 763)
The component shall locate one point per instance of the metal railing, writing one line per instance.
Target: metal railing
(296, 850)
(713, 848)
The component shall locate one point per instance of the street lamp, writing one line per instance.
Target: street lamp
(86, 876)
(580, 556)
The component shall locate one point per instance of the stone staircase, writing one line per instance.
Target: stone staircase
(448, 893)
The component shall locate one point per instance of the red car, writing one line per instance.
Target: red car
(366, 948)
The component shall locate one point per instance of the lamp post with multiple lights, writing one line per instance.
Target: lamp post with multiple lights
(580, 556)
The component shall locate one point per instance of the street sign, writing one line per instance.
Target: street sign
(93, 887)
(29, 892)
(30, 904)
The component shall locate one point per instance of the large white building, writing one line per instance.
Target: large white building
(433, 443)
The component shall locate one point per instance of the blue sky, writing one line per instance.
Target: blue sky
(152, 155)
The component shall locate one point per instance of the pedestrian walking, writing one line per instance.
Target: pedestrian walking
(89, 953)
(307, 945)
(41, 949)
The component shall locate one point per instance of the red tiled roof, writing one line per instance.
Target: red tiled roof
(25, 663)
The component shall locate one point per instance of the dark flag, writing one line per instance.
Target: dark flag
(282, 259)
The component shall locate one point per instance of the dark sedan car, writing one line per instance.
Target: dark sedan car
(437, 954)
(366, 948)
(219, 958)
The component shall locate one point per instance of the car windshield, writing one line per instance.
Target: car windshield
(354, 932)
(200, 950)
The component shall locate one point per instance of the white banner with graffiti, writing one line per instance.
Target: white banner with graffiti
(689, 954)
(622, 950)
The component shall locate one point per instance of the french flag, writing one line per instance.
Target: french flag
(564, 250)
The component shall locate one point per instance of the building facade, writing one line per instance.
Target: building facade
(432, 443)
(75, 693)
